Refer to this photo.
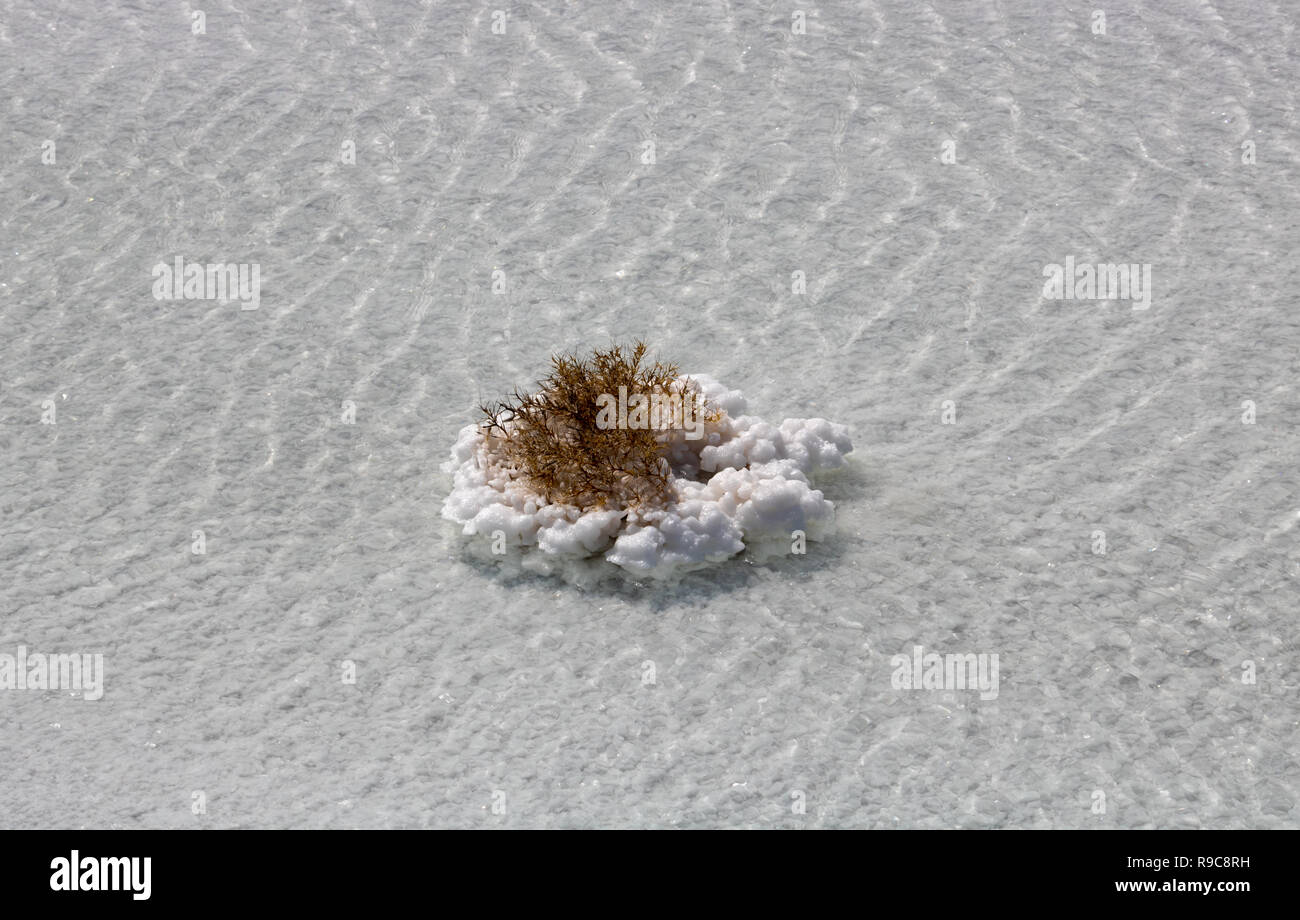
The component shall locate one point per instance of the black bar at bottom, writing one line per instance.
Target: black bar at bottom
(926, 869)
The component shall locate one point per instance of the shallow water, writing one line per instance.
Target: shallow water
(747, 694)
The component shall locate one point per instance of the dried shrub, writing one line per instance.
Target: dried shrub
(551, 438)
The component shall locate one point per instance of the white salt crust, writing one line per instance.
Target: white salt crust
(757, 494)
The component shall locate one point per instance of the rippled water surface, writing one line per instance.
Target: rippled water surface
(434, 208)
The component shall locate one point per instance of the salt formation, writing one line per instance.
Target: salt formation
(744, 483)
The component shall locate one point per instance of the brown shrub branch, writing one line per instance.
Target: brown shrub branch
(552, 440)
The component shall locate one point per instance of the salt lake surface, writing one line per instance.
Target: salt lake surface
(845, 216)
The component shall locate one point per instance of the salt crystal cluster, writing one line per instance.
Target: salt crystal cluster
(745, 483)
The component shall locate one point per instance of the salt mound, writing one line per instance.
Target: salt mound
(744, 483)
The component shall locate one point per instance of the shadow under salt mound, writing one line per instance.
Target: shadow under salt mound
(691, 584)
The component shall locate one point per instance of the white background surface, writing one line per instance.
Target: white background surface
(522, 152)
